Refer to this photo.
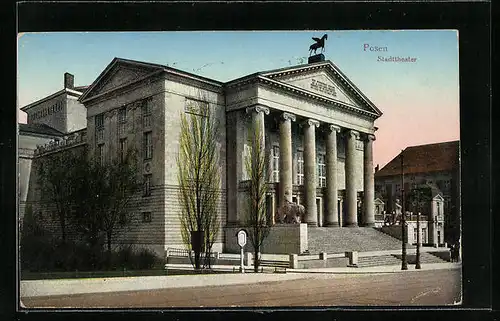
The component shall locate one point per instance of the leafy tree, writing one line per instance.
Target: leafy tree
(199, 181)
(56, 181)
(257, 219)
(119, 187)
(103, 195)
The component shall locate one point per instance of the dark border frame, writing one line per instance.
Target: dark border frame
(471, 19)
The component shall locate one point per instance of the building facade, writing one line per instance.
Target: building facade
(49, 120)
(436, 166)
(318, 129)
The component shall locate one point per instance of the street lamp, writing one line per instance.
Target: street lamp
(417, 263)
(416, 194)
(404, 264)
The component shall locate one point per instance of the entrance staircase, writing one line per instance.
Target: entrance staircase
(343, 239)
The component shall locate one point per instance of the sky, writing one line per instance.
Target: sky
(419, 100)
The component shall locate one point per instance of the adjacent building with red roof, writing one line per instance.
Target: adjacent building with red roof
(434, 165)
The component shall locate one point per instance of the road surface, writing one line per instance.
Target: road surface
(432, 287)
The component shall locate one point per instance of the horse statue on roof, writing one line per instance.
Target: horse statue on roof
(320, 43)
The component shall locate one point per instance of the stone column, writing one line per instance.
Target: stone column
(310, 171)
(331, 177)
(258, 122)
(368, 183)
(285, 184)
(350, 180)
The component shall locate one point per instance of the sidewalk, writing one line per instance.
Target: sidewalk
(37, 288)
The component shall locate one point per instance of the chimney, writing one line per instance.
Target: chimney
(376, 168)
(69, 80)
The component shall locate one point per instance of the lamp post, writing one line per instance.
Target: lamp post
(417, 263)
(404, 264)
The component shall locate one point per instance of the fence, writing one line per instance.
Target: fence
(187, 253)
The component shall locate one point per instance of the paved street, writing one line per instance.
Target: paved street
(438, 287)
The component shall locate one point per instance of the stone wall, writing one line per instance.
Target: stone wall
(76, 114)
(282, 239)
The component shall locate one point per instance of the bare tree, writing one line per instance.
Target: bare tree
(257, 219)
(199, 181)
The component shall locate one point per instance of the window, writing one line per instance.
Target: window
(122, 115)
(146, 113)
(100, 153)
(99, 127)
(147, 185)
(122, 121)
(447, 184)
(147, 145)
(247, 157)
(321, 170)
(123, 149)
(146, 217)
(438, 205)
(415, 234)
(398, 189)
(377, 209)
(276, 164)
(300, 167)
(122, 219)
(424, 233)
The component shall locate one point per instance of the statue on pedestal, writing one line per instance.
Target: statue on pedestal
(396, 215)
(320, 43)
(290, 213)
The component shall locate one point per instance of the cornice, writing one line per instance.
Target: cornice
(346, 84)
(52, 96)
(315, 97)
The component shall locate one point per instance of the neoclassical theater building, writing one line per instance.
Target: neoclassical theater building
(319, 135)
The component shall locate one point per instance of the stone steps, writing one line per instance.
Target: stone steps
(342, 239)
(367, 261)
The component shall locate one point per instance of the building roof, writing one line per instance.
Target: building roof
(77, 91)
(40, 129)
(152, 69)
(423, 159)
(80, 88)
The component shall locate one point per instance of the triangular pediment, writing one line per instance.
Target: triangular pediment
(438, 197)
(119, 73)
(326, 80)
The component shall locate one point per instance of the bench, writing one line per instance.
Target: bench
(279, 266)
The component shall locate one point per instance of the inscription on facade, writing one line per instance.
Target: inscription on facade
(323, 87)
(196, 107)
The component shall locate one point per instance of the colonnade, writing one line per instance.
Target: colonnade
(334, 132)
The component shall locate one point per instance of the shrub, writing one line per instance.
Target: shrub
(146, 259)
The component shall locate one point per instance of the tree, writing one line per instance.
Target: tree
(119, 187)
(419, 196)
(199, 181)
(102, 195)
(56, 182)
(89, 202)
(257, 218)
